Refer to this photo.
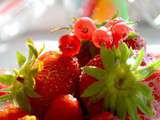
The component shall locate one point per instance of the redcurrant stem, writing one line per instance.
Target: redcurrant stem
(55, 29)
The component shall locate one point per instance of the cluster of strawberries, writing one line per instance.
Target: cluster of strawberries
(95, 76)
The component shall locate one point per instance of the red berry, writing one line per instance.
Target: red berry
(105, 116)
(119, 32)
(83, 28)
(101, 36)
(65, 107)
(69, 44)
(111, 23)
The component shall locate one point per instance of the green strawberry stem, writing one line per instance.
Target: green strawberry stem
(22, 83)
(119, 83)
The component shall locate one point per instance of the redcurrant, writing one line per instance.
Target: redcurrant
(120, 32)
(83, 28)
(102, 36)
(69, 44)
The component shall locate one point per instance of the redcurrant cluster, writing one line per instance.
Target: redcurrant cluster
(108, 33)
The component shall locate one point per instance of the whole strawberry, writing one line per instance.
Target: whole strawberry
(113, 83)
(11, 112)
(39, 80)
(105, 116)
(64, 107)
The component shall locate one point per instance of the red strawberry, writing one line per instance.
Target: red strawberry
(54, 80)
(85, 82)
(105, 116)
(38, 81)
(11, 112)
(65, 107)
(154, 83)
(104, 83)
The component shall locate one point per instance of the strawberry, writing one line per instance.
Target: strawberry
(11, 112)
(64, 107)
(38, 81)
(153, 82)
(28, 117)
(105, 116)
(105, 83)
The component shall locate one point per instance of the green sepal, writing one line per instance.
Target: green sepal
(121, 107)
(107, 57)
(145, 72)
(138, 59)
(143, 105)
(93, 89)
(7, 79)
(22, 100)
(126, 52)
(8, 89)
(132, 108)
(95, 72)
(20, 58)
(32, 49)
(5, 98)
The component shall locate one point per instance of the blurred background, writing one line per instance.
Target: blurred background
(22, 19)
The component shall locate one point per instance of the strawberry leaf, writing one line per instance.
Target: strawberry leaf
(125, 52)
(93, 89)
(21, 59)
(108, 57)
(139, 59)
(22, 101)
(5, 89)
(32, 49)
(132, 109)
(5, 98)
(143, 105)
(121, 107)
(95, 72)
(7, 79)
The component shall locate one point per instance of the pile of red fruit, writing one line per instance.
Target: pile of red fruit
(100, 73)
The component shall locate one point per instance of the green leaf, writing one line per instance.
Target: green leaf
(21, 59)
(154, 65)
(108, 57)
(139, 59)
(7, 79)
(29, 91)
(41, 49)
(121, 107)
(22, 101)
(32, 49)
(125, 52)
(93, 89)
(132, 108)
(95, 72)
(5, 98)
(143, 106)
(143, 73)
(146, 91)
(5, 89)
